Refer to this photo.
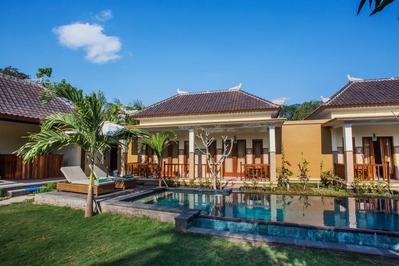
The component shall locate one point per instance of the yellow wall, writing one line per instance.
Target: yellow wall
(309, 138)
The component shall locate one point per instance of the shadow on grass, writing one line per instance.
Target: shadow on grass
(192, 249)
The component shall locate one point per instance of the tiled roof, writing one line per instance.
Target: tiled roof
(225, 101)
(367, 92)
(20, 99)
(363, 93)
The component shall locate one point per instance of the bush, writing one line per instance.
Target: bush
(284, 172)
(304, 172)
(2, 192)
(328, 179)
(46, 188)
(362, 187)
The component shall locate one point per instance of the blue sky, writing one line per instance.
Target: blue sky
(148, 49)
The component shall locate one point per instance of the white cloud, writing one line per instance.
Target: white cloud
(99, 47)
(104, 15)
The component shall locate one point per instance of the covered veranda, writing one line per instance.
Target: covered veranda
(253, 156)
(366, 149)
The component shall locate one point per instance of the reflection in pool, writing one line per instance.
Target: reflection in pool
(368, 213)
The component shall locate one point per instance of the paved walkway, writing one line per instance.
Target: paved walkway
(8, 184)
(13, 200)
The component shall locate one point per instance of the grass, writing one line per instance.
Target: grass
(36, 235)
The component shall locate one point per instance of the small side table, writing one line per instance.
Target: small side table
(125, 183)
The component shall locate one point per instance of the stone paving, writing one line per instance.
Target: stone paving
(13, 200)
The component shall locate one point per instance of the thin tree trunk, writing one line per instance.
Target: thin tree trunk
(159, 173)
(89, 200)
(124, 147)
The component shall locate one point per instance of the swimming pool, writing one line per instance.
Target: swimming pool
(364, 213)
(344, 223)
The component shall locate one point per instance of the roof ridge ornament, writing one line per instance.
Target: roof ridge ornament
(351, 78)
(181, 92)
(235, 88)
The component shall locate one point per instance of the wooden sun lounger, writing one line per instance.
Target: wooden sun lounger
(79, 183)
(82, 188)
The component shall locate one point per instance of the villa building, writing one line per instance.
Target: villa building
(20, 114)
(252, 122)
(364, 123)
(354, 133)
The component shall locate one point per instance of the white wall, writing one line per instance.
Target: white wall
(12, 137)
(12, 133)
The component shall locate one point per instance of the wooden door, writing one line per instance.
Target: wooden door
(230, 164)
(213, 152)
(386, 146)
(257, 151)
(241, 156)
(113, 159)
(377, 154)
(170, 158)
(368, 151)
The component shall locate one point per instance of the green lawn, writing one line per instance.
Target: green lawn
(37, 235)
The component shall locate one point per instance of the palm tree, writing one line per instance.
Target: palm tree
(119, 113)
(158, 142)
(83, 126)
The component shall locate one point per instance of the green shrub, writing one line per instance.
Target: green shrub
(46, 188)
(304, 172)
(2, 193)
(284, 172)
(378, 187)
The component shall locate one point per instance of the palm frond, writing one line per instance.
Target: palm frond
(63, 90)
(159, 141)
(43, 142)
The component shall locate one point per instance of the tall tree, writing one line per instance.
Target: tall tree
(215, 165)
(375, 5)
(14, 72)
(299, 111)
(158, 142)
(83, 127)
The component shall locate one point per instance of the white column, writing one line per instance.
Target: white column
(273, 208)
(272, 154)
(352, 212)
(334, 145)
(191, 149)
(348, 153)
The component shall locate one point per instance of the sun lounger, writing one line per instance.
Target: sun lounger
(78, 182)
(124, 182)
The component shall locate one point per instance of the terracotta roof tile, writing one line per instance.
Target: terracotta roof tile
(363, 93)
(21, 98)
(226, 101)
(367, 92)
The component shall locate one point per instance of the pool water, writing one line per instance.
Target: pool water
(361, 213)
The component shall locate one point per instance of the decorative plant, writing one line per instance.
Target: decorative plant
(284, 172)
(327, 178)
(83, 126)
(158, 142)
(304, 172)
(362, 187)
(214, 164)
